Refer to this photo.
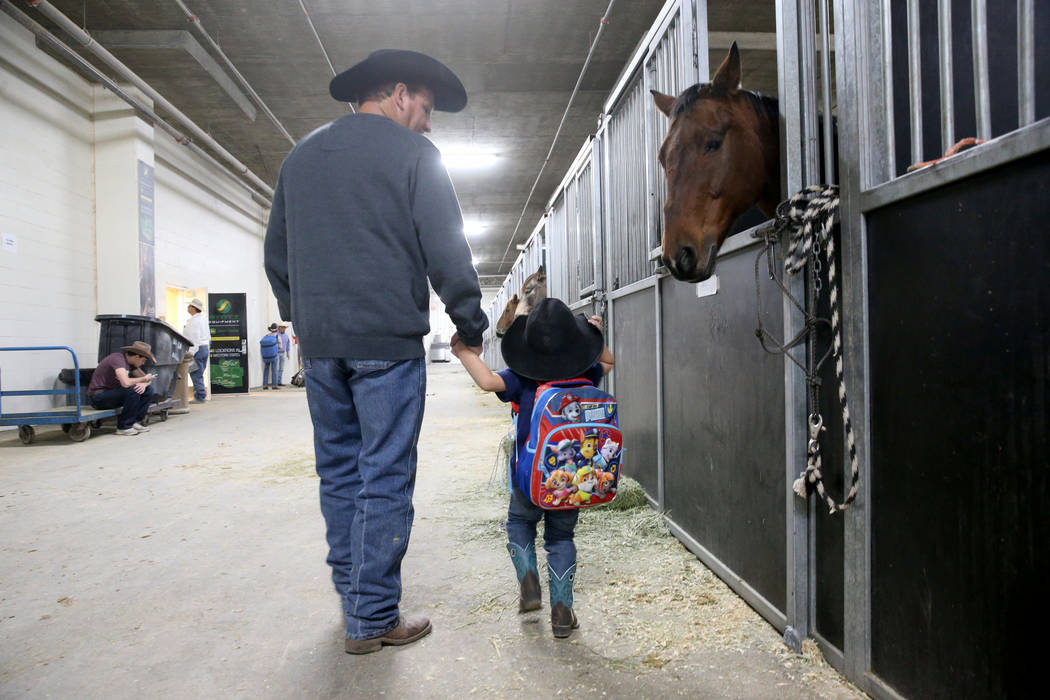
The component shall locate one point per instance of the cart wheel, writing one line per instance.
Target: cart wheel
(164, 415)
(79, 432)
(26, 434)
(66, 427)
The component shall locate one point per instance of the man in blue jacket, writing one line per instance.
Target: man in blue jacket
(363, 215)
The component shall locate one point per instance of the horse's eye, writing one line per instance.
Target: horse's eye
(712, 145)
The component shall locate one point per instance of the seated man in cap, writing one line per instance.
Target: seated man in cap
(119, 381)
(363, 215)
(196, 329)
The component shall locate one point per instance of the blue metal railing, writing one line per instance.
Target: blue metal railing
(49, 416)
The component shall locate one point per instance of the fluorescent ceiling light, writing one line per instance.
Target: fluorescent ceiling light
(473, 228)
(469, 158)
(474, 261)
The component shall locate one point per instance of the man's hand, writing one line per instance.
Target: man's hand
(476, 349)
(140, 387)
(595, 321)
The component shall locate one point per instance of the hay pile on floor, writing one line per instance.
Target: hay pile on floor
(647, 598)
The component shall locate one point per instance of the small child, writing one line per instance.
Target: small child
(547, 345)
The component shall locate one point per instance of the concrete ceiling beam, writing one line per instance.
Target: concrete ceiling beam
(177, 39)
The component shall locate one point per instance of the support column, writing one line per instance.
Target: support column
(124, 206)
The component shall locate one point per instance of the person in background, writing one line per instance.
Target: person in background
(269, 351)
(119, 381)
(284, 351)
(196, 329)
(364, 213)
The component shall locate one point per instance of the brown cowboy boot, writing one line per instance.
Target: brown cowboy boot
(408, 630)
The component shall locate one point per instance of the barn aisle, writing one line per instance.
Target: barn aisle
(189, 562)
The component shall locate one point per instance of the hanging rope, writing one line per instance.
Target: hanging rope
(808, 218)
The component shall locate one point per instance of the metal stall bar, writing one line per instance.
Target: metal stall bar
(869, 174)
(1025, 62)
(979, 33)
(797, 132)
(585, 230)
(865, 108)
(944, 54)
(825, 93)
(915, 81)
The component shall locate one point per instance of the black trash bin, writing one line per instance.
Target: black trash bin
(65, 377)
(169, 346)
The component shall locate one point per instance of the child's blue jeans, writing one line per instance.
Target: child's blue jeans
(558, 526)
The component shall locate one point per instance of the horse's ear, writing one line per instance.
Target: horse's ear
(541, 274)
(727, 77)
(663, 102)
(539, 270)
(515, 299)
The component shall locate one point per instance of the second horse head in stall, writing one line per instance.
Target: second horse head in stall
(533, 291)
(721, 156)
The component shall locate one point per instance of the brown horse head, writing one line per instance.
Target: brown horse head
(720, 158)
(533, 291)
(507, 317)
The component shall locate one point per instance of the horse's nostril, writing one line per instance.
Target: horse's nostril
(686, 258)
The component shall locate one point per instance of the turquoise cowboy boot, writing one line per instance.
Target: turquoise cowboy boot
(563, 619)
(528, 576)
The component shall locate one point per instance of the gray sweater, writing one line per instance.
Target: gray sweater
(363, 213)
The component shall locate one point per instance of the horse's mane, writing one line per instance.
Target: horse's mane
(765, 106)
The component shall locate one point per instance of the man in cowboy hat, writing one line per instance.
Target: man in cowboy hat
(363, 214)
(119, 381)
(196, 329)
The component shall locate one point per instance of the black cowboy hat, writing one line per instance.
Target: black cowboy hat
(396, 65)
(550, 343)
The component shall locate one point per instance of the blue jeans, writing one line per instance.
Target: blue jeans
(366, 416)
(270, 371)
(558, 527)
(133, 406)
(200, 360)
(280, 368)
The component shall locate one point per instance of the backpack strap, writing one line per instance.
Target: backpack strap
(564, 384)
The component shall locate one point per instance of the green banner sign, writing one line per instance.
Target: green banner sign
(228, 321)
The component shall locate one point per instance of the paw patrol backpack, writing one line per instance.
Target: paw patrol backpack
(572, 456)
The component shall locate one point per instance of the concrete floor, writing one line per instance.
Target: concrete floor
(189, 562)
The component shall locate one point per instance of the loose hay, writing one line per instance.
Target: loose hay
(647, 598)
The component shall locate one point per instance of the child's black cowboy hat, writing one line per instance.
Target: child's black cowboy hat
(550, 343)
(396, 65)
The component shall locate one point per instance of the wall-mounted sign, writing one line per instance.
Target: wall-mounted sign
(147, 275)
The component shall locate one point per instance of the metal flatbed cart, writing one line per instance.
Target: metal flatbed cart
(76, 419)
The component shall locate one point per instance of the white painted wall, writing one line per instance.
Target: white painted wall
(47, 203)
(65, 200)
(209, 234)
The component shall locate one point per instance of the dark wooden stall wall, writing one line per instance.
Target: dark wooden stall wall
(634, 336)
(828, 529)
(724, 424)
(960, 501)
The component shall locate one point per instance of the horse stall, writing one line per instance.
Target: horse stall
(926, 584)
(532, 256)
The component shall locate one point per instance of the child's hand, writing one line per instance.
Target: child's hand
(595, 321)
(457, 348)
